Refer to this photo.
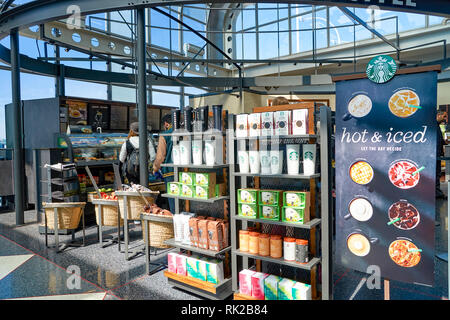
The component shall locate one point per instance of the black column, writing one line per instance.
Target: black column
(19, 168)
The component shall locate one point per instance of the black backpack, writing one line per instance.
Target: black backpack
(130, 167)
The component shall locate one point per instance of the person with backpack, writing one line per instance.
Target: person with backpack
(129, 154)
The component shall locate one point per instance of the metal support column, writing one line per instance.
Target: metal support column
(19, 166)
(142, 96)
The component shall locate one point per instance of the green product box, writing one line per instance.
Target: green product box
(221, 189)
(249, 196)
(271, 287)
(173, 188)
(294, 215)
(248, 210)
(186, 178)
(204, 192)
(270, 197)
(269, 212)
(297, 199)
(285, 289)
(205, 179)
(187, 190)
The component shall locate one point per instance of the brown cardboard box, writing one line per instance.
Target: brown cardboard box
(215, 236)
(193, 231)
(203, 233)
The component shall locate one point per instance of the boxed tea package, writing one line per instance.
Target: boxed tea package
(271, 287)
(247, 196)
(282, 120)
(248, 210)
(270, 197)
(173, 188)
(172, 262)
(242, 125)
(203, 234)
(254, 124)
(267, 124)
(201, 267)
(215, 236)
(181, 261)
(193, 231)
(205, 179)
(186, 177)
(285, 289)
(205, 192)
(301, 291)
(269, 212)
(298, 199)
(214, 271)
(192, 267)
(300, 121)
(187, 190)
(258, 285)
(292, 214)
(245, 282)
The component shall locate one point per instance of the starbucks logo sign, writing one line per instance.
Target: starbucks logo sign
(275, 161)
(265, 161)
(293, 156)
(381, 69)
(308, 155)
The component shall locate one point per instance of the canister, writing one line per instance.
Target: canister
(217, 112)
(264, 244)
(289, 249)
(301, 251)
(276, 246)
(253, 242)
(243, 240)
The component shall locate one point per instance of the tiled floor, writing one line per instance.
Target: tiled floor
(29, 270)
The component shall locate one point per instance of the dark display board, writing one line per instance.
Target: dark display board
(77, 112)
(385, 176)
(99, 116)
(119, 118)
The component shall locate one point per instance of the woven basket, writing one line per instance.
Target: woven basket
(159, 232)
(109, 214)
(135, 204)
(68, 217)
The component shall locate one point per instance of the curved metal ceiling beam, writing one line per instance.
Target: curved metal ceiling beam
(38, 12)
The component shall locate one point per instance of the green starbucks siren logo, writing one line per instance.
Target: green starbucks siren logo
(293, 156)
(381, 69)
(309, 155)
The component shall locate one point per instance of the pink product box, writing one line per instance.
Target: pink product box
(245, 282)
(172, 262)
(181, 264)
(258, 285)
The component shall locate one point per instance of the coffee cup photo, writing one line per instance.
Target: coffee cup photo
(360, 209)
(358, 107)
(360, 244)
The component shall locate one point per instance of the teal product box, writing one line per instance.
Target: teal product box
(301, 291)
(201, 267)
(285, 289)
(214, 271)
(271, 287)
(192, 267)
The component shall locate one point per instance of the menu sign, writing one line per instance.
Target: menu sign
(119, 118)
(385, 176)
(99, 116)
(77, 112)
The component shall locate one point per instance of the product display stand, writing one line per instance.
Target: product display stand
(202, 288)
(241, 260)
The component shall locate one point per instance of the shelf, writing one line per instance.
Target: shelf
(205, 289)
(190, 134)
(291, 136)
(173, 243)
(96, 163)
(279, 176)
(308, 225)
(210, 200)
(194, 166)
(240, 296)
(307, 266)
(156, 218)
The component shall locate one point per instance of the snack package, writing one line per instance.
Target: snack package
(242, 125)
(203, 234)
(187, 190)
(205, 179)
(258, 285)
(269, 212)
(215, 236)
(249, 196)
(205, 192)
(186, 178)
(267, 124)
(285, 289)
(181, 261)
(270, 197)
(172, 262)
(300, 121)
(245, 282)
(248, 210)
(271, 287)
(282, 121)
(254, 124)
(301, 291)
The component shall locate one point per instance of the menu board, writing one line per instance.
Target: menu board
(385, 176)
(99, 116)
(77, 112)
(119, 118)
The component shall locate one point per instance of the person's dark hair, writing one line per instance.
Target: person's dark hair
(167, 118)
